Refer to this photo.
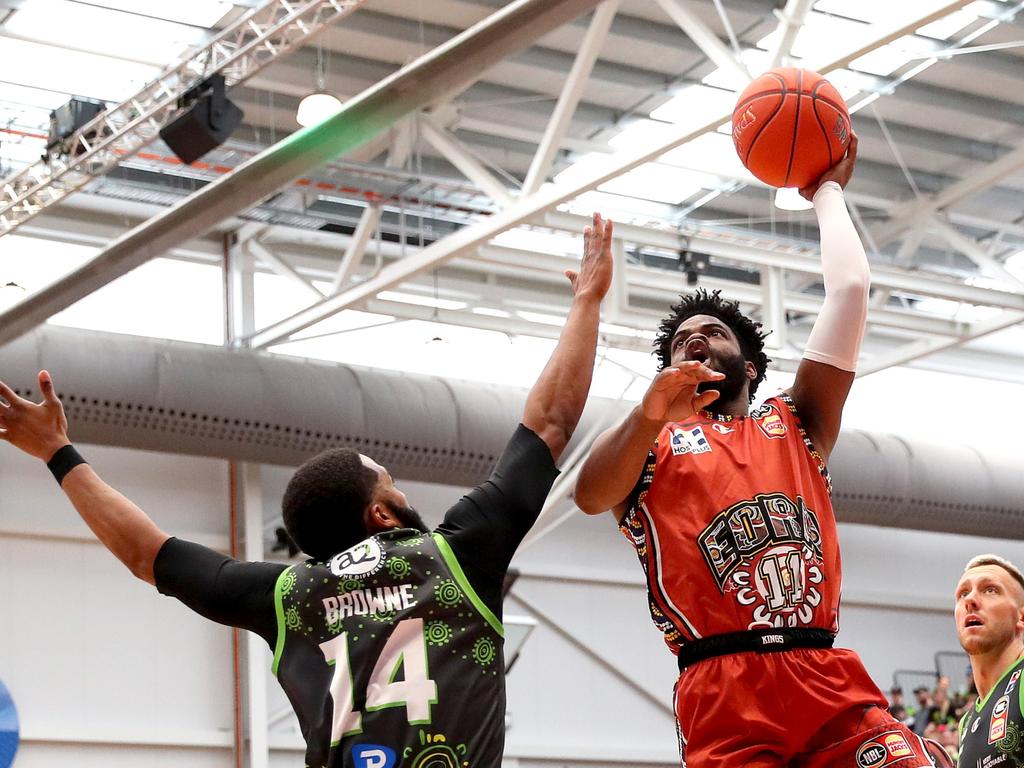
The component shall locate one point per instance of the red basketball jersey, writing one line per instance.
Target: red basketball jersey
(732, 521)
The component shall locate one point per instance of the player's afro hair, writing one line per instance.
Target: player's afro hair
(702, 302)
(324, 502)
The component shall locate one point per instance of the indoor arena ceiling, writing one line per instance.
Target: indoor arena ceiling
(460, 208)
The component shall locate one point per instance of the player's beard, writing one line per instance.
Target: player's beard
(407, 516)
(996, 637)
(731, 387)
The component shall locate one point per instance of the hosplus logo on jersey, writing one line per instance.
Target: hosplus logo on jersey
(766, 552)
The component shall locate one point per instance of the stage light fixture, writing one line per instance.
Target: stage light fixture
(67, 119)
(204, 120)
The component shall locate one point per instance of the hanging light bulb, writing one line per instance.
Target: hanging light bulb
(319, 105)
(788, 199)
(316, 107)
(10, 294)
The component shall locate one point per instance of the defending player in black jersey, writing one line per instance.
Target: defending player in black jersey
(990, 622)
(388, 640)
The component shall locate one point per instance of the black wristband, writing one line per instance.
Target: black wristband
(63, 461)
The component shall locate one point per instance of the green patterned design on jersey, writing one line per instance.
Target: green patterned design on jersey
(460, 577)
(438, 633)
(991, 730)
(409, 656)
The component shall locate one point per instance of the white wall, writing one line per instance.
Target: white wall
(105, 672)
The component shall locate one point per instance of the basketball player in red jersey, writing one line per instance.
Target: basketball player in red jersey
(730, 514)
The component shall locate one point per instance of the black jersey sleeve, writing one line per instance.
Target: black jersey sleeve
(228, 591)
(486, 526)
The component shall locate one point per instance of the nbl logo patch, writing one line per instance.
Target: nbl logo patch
(886, 749)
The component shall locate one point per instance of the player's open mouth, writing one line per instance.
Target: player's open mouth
(973, 621)
(697, 350)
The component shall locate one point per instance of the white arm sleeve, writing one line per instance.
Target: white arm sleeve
(836, 336)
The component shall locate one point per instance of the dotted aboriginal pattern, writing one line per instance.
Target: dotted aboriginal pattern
(292, 619)
(349, 585)
(288, 583)
(484, 651)
(822, 468)
(448, 593)
(438, 633)
(398, 567)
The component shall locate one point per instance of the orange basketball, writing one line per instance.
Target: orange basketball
(790, 126)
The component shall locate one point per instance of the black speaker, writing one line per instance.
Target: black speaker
(205, 119)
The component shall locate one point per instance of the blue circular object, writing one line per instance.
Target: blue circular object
(8, 728)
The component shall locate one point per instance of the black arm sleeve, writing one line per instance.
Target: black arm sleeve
(486, 526)
(219, 588)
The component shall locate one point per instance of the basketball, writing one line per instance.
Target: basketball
(789, 126)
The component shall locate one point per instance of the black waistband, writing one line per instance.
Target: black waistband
(760, 640)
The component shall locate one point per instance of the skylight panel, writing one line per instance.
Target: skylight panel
(631, 210)
(712, 153)
(200, 13)
(540, 241)
(756, 62)
(818, 37)
(422, 301)
(1015, 265)
(877, 11)
(948, 26)
(662, 183)
(82, 74)
(125, 35)
(695, 104)
(882, 61)
(19, 153)
(32, 97)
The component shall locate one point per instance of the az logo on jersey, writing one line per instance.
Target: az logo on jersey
(364, 558)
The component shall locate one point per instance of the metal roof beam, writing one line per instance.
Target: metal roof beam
(237, 52)
(432, 78)
(547, 199)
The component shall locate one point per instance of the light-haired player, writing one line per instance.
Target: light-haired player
(990, 623)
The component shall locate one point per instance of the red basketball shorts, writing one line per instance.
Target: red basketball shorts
(801, 708)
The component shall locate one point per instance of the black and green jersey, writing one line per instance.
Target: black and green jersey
(390, 658)
(991, 730)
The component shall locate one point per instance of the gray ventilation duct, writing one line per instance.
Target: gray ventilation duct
(182, 398)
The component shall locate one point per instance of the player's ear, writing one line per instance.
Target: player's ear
(379, 518)
(751, 370)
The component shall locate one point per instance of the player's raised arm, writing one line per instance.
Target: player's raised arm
(41, 430)
(555, 403)
(829, 362)
(611, 470)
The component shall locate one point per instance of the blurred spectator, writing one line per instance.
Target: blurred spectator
(896, 706)
(942, 710)
(924, 710)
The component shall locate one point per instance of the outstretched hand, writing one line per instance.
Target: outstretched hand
(673, 396)
(595, 272)
(839, 173)
(38, 429)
